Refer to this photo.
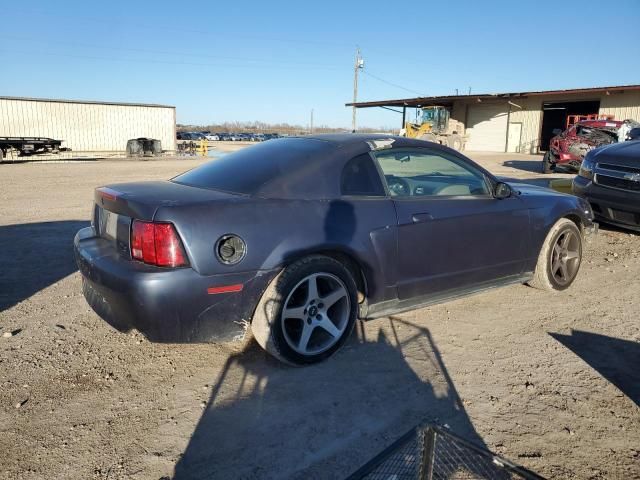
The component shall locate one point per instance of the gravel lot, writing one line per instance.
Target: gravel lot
(549, 381)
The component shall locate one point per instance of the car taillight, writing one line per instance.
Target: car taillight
(157, 243)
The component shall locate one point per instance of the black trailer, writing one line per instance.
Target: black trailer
(30, 145)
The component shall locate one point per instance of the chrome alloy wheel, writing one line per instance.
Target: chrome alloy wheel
(565, 258)
(315, 314)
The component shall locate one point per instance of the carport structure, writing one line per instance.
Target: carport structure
(520, 121)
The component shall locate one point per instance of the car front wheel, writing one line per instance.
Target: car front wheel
(560, 257)
(307, 312)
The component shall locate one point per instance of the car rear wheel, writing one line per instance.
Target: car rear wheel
(560, 257)
(307, 312)
(548, 165)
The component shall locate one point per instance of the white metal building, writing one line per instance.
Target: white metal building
(522, 121)
(87, 126)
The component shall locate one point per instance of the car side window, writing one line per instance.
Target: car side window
(426, 172)
(360, 177)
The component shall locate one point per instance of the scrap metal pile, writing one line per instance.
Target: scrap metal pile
(588, 138)
(569, 148)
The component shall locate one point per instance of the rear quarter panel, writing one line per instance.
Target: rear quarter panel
(279, 231)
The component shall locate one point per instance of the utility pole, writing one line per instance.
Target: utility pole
(311, 123)
(358, 65)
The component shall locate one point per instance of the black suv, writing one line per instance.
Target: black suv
(609, 179)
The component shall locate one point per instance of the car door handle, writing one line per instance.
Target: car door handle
(421, 217)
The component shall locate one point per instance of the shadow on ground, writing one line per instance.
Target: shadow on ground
(267, 420)
(34, 256)
(615, 359)
(607, 227)
(535, 166)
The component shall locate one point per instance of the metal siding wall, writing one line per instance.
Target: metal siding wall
(86, 126)
(530, 117)
(623, 106)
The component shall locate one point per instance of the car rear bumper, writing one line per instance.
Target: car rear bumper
(165, 305)
(616, 207)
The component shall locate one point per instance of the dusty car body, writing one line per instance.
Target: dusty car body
(568, 148)
(296, 238)
(609, 179)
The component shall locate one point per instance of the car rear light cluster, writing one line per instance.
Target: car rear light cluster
(157, 243)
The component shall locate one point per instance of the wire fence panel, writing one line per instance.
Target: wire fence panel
(431, 453)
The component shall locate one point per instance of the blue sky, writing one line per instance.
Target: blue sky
(275, 61)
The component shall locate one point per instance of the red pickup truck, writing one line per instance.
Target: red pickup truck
(568, 148)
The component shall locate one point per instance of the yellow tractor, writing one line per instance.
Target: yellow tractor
(436, 126)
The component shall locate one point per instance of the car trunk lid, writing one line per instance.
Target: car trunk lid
(116, 206)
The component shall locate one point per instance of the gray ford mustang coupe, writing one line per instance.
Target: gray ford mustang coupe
(296, 238)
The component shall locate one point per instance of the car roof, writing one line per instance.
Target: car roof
(304, 167)
(350, 139)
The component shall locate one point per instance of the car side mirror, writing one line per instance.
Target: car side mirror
(502, 190)
(556, 131)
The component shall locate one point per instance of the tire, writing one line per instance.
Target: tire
(549, 272)
(297, 340)
(455, 142)
(1, 155)
(547, 164)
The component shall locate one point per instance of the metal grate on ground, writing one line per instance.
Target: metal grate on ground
(431, 453)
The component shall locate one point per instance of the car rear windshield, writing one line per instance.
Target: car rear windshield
(253, 170)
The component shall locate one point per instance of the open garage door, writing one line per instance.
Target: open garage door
(554, 115)
(487, 128)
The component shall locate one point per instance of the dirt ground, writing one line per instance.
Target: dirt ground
(549, 381)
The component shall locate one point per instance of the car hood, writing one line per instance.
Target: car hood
(625, 153)
(528, 189)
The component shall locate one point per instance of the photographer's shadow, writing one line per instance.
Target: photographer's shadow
(267, 420)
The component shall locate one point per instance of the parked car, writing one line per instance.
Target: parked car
(568, 148)
(609, 179)
(212, 137)
(633, 134)
(297, 238)
(189, 136)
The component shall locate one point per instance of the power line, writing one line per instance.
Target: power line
(164, 62)
(123, 23)
(391, 83)
(164, 52)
